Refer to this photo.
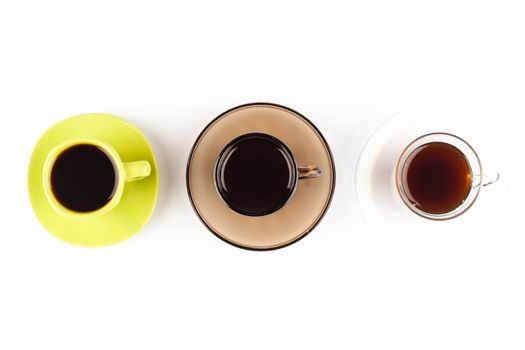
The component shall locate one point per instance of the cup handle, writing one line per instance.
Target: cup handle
(137, 170)
(309, 172)
(485, 180)
(490, 179)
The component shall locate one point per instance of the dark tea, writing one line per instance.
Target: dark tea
(83, 178)
(255, 174)
(437, 178)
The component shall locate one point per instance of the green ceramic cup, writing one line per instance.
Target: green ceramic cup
(125, 172)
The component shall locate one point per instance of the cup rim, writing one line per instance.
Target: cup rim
(475, 185)
(48, 167)
(290, 155)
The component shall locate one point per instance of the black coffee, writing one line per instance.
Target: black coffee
(256, 174)
(438, 177)
(83, 178)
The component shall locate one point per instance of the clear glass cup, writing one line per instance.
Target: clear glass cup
(476, 176)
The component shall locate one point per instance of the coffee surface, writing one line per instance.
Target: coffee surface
(438, 178)
(83, 178)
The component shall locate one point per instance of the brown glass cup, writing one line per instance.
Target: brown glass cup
(256, 174)
(298, 205)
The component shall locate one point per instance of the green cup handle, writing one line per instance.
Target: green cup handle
(137, 170)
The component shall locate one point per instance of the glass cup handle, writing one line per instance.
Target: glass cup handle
(309, 172)
(490, 179)
(485, 180)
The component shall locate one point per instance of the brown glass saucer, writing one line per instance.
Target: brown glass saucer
(301, 213)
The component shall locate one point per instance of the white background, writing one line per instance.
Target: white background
(170, 67)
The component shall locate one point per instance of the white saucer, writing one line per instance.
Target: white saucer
(390, 219)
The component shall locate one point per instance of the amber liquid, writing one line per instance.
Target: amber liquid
(83, 178)
(437, 178)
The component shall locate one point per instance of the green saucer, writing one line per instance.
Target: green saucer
(138, 199)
